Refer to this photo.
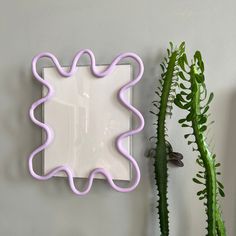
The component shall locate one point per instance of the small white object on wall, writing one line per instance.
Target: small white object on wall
(86, 118)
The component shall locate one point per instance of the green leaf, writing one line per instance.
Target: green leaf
(202, 197)
(187, 135)
(168, 52)
(202, 119)
(185, 125)
(162, 67)
(199, 161)
(181, 63)
(185, 58)
(178, 103)
(182, 86)
(204, 90)
(199, 176)
(189, 116)
(197, 181)
(210, 99)
(222, 194)
(200, 78)
(183, 93)
(203, 128)
(217, 165)
(190, 142)
(189, 96)
(220, 185)
(171, 46)
(187, 105)
(205, 110)
(180, 98)
(201, 192)
(182, 48)
(181, 75)
(198, 59)
(182, 121)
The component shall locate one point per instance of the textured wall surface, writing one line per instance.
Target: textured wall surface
(32, 208)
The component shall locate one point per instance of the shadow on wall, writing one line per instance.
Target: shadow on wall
(146, 94)
(16, 130)
(229, 173)
(19, 136)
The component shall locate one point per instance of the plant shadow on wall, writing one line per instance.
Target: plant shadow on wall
(183, 84)
(15, 127)
(143, 95)
(229, 165)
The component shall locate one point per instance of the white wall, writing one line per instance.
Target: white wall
(32, 208)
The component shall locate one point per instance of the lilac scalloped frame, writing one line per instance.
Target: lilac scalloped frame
(49, 133)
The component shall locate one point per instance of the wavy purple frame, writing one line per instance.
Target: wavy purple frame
(49, 133)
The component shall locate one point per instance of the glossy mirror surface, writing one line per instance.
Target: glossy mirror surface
(86, 118)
